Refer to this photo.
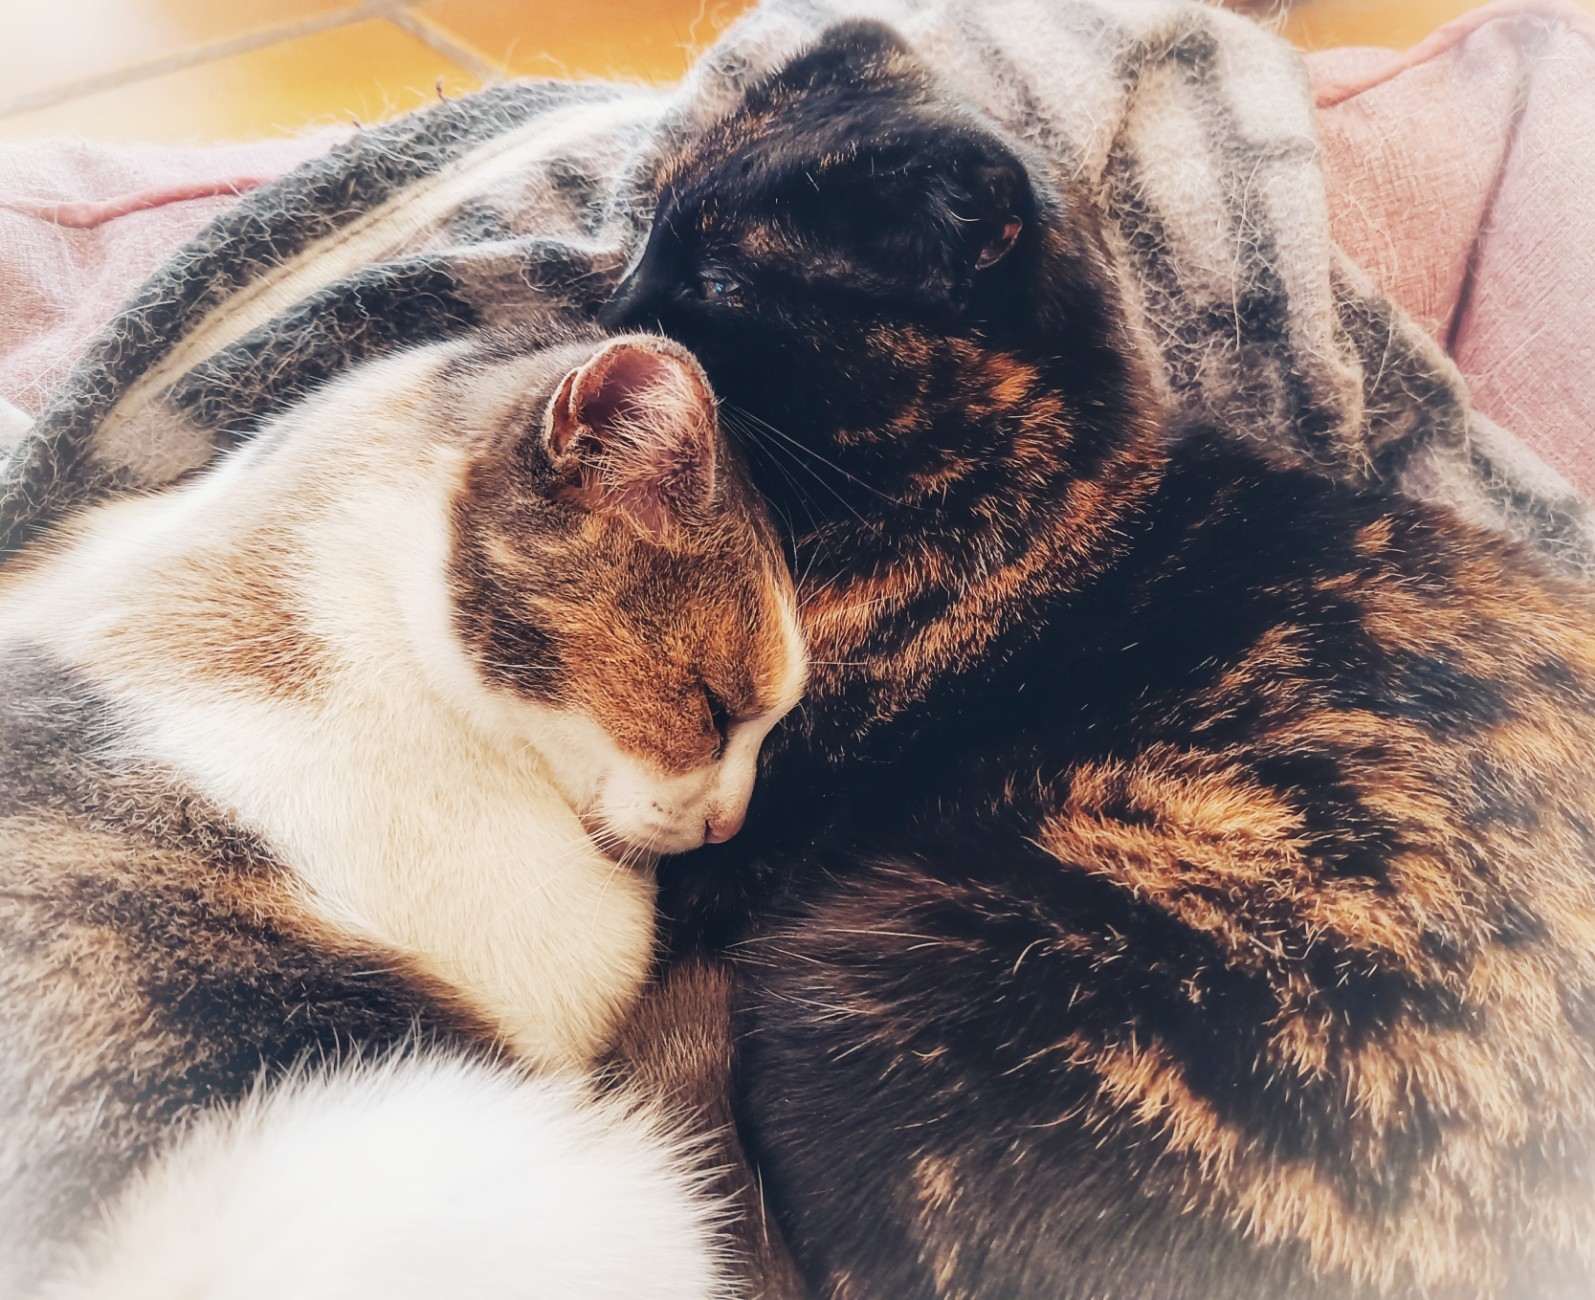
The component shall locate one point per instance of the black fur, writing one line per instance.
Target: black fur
(975, 1060)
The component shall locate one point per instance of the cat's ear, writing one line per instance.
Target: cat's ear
(973, 209)
(634, 429)
(929, 211)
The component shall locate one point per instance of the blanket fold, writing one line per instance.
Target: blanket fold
(1192, 127)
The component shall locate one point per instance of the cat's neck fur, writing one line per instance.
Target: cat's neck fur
(901, 618)
(278, 637)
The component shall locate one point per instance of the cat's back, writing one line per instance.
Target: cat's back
(1271, 604)
(1250, 952)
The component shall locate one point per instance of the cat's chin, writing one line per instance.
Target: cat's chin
(630, 830)
(632, 857)
(636, 853)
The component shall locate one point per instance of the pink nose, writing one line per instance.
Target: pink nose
(717, 830)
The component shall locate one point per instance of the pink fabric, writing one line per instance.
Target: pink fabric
(82, 225)
(1461, 176)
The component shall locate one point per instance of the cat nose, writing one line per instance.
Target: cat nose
(721, 827)
(642, 298)
(612, 315)
(628, 307)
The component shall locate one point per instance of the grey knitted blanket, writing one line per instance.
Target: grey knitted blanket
(1192, 126)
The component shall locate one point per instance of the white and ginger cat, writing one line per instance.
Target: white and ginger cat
(329, 783)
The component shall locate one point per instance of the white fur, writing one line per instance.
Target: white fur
(416, 806)
(416, 1180)
(412, 803)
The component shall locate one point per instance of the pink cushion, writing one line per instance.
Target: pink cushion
(1461, 176)
(82, 225)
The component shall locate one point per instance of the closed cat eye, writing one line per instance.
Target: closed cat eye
(719, 718)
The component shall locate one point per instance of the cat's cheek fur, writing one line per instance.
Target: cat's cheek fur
(632, 800)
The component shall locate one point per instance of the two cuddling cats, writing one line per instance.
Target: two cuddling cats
(1177, 882)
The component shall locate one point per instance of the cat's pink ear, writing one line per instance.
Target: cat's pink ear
(635, 425)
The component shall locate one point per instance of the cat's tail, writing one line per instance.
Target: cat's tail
(425, 1176)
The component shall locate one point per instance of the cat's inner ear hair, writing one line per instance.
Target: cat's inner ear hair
(634, 427)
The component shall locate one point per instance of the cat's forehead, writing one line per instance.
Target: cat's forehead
(788, 180)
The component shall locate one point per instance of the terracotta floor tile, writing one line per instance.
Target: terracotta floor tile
(1395, 23)
(60, 42)
(652, 40)
(368, 70)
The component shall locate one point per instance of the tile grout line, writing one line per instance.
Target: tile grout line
(397, 12)
(178, 62)
(466, 57)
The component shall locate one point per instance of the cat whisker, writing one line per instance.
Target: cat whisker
(811, 596)
(789, 449)
(806, 450)
(573, 859)
(758, 446)
(752, 437)
(630, 855)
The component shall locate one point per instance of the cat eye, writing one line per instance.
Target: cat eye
(719, 717)
(718, 288)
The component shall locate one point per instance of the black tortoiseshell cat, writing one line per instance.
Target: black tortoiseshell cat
(1181, 879)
